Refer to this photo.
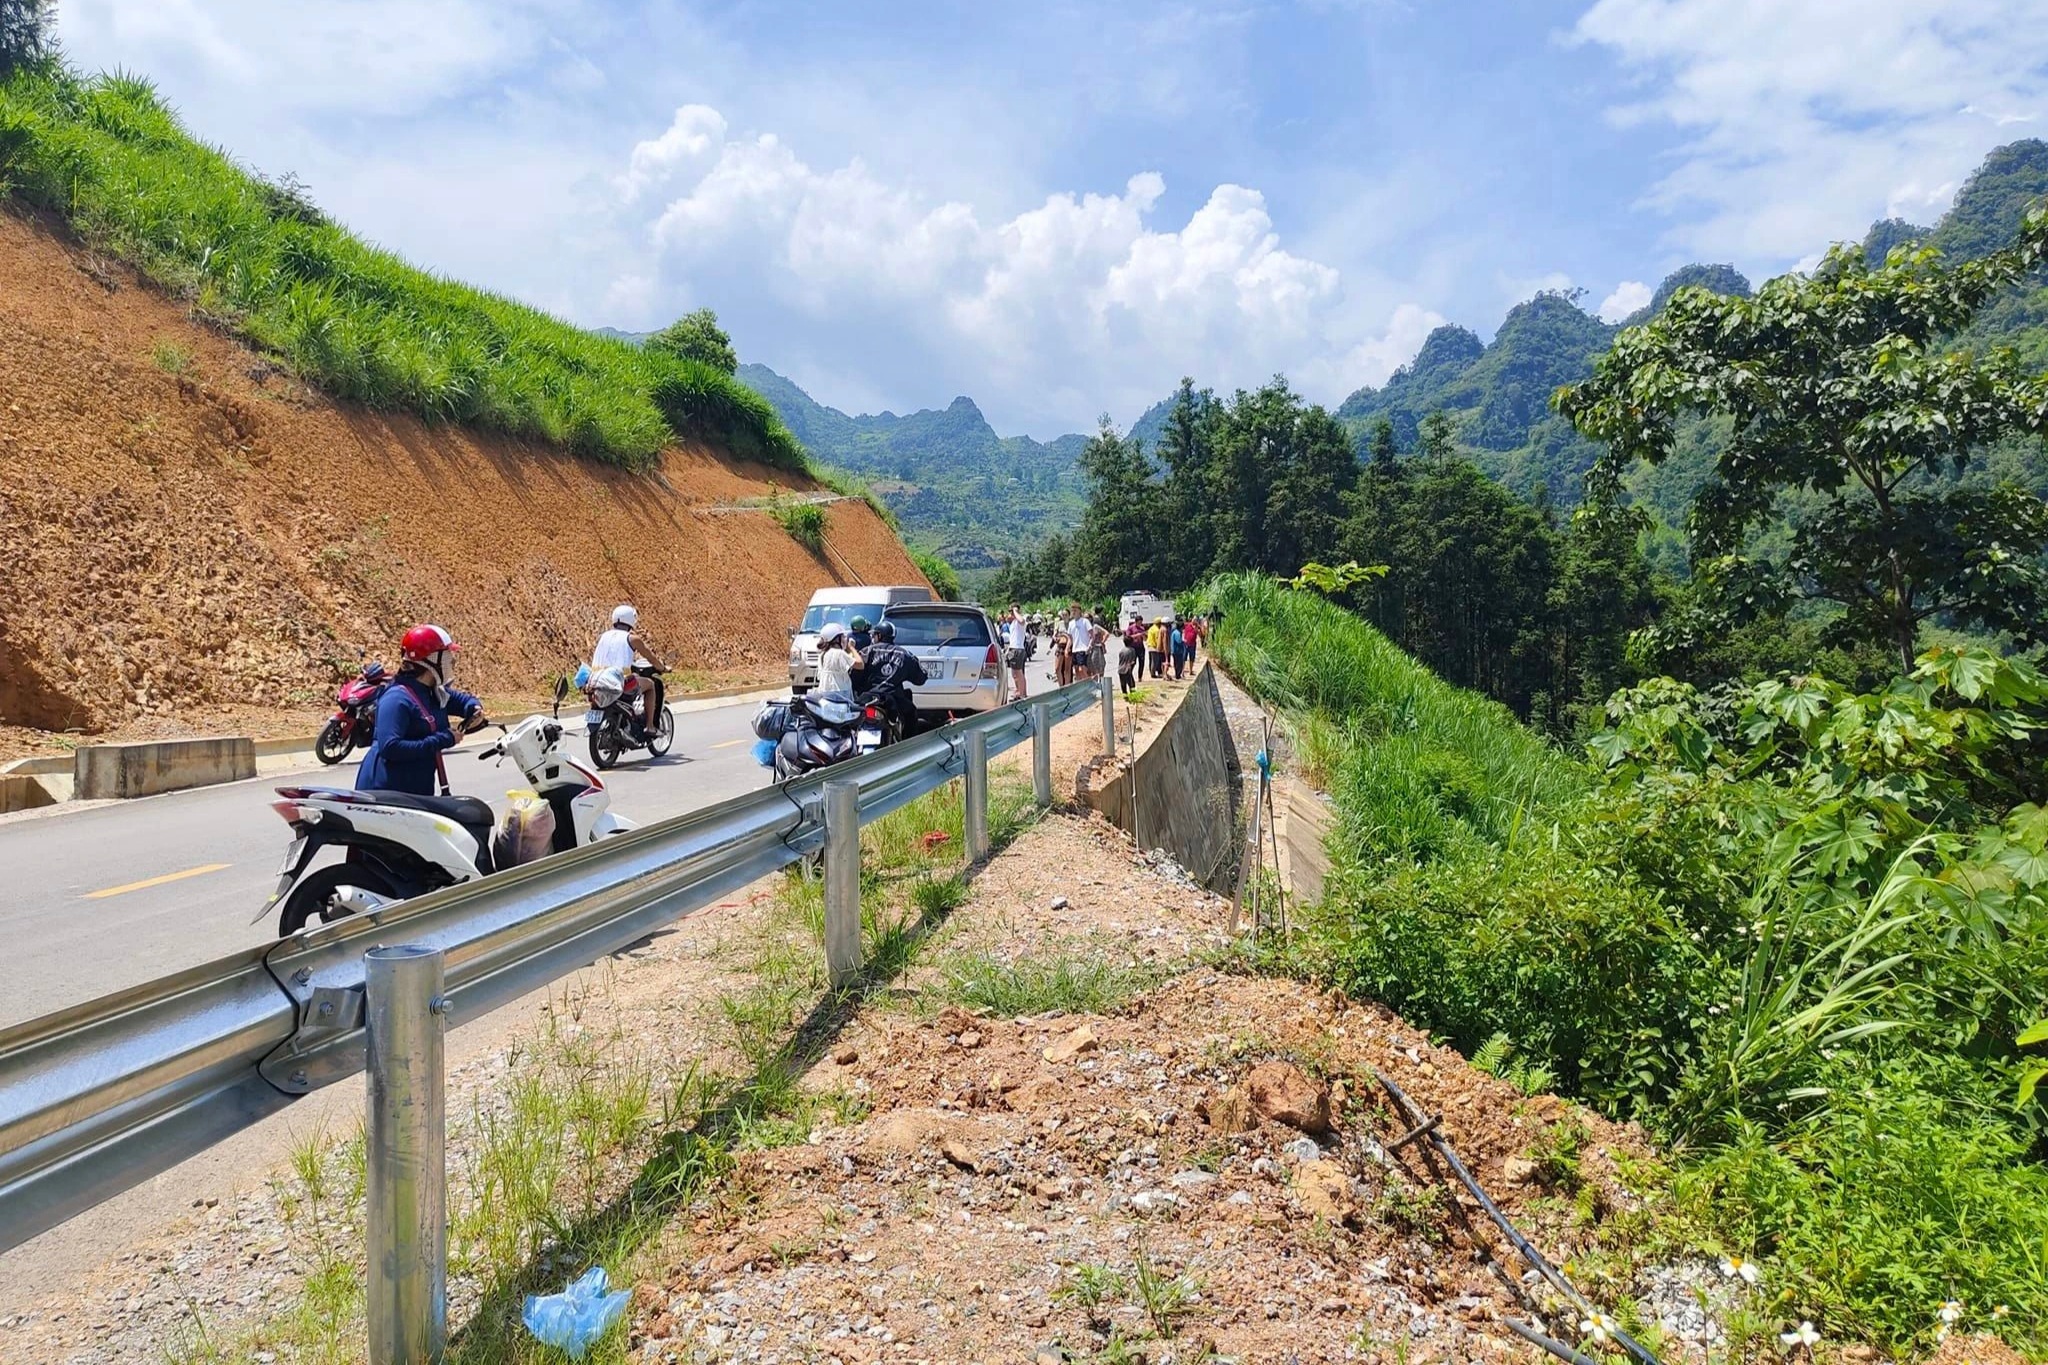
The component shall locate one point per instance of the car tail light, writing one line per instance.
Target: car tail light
(988, 666)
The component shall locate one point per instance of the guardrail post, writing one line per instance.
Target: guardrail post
(1041, 755)
(405, 1139)
(975, 825)
(1108, 717)
(842, 881)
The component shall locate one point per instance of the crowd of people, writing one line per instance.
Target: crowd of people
(1083, 641)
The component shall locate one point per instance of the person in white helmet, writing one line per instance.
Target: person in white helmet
(624, 648)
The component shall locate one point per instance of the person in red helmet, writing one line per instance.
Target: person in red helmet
(418, 716)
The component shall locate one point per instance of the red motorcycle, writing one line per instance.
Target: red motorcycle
(355, 716)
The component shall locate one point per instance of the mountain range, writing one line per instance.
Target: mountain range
(978, 497)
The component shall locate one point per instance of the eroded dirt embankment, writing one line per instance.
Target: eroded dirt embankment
(188, 532)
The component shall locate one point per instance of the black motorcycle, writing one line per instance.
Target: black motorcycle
(819, 729)
(614, 720)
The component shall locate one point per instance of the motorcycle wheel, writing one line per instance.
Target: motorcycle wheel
(333, 743)
(664, 736)
(313, 897)
(607, 744)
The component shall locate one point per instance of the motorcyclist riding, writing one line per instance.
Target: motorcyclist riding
(418, 716)
(623, 647)
(891, 671)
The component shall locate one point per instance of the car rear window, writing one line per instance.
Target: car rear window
(926, 629)
(841, 613)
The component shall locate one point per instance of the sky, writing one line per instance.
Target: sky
(1060, 208)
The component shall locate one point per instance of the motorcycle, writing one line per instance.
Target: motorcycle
(819, 729)
(398, 845)
(355, 715)
(614, 719)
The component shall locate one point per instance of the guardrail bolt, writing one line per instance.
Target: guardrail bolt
(302, 976)
(298, 1078)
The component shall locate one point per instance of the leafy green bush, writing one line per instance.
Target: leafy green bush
(107, 154)
(944, 580)
(805, 522)
(1798, 931)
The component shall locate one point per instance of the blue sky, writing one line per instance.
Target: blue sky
(1059, 209)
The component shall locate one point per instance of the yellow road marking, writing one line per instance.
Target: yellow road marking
(729, 743)
(155, 881)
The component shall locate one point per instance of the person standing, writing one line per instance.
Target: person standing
(1130, 653)
(1062, 655)
(1189, 633)
(1155, 648)
(837, 660)
(1081, 638)
(1016, 650)
(1098, 646)
(1174, 651)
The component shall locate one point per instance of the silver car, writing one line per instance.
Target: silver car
(956, 643)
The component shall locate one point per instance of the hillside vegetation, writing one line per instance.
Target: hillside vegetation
(106, 155)
(1795, 931)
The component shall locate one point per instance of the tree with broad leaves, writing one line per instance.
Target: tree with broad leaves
(1839, 384)
(24, 33)
(697, 336)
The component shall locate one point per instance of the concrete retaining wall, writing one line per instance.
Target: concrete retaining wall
(22, 791)
(124, 770)
(1305, 822)
(1182, 793)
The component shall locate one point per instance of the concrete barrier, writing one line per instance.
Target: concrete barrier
(1181, 793)
(23, 791)
(1306, 820)
(125, 770)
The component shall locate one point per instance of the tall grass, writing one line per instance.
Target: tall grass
(106, 154)
(1427, 765)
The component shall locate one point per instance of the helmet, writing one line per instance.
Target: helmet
(860, 623)
(885, 633)
(829, 632)
(431, 646)
(624, 615)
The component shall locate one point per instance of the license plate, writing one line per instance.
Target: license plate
(873, 737)
(291, 856)
(594, 719)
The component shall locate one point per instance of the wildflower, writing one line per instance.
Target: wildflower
(1599, 1326)
(1998, 1311)
(1802, 1335)
(1735, 1268)
(1951, 1312)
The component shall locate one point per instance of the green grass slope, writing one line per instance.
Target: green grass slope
(106, 155)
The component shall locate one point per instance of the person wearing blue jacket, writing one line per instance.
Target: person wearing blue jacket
(418, 717)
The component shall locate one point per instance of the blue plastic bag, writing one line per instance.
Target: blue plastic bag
(764, 752)
(575, 1318)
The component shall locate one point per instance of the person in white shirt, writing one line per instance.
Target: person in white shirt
(624, 648)
(1017, 648)
(837, 659)
(1082, 632)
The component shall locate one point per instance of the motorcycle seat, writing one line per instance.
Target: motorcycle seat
(463, 810)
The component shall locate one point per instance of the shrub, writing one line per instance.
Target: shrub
(945, 582)
(805, 522)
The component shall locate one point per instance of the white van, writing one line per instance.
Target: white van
(1143, 605)
(839, 606)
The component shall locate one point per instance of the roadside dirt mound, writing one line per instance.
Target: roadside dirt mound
(187, 528)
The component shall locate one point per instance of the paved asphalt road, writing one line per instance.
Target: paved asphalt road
(95, 900)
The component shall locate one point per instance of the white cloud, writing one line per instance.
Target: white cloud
(1627, 297)
(1805, 119)
(1080, 302)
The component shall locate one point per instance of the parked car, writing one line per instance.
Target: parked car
(956, 643)
(1144, 605)
(838, 606)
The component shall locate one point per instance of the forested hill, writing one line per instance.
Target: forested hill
(1498, 392)
(954, 483)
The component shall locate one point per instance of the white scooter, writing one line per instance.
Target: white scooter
(400, 845)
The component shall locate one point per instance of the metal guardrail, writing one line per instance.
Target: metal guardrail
(105, 1094)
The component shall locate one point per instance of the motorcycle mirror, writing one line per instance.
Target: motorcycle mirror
(561, 691)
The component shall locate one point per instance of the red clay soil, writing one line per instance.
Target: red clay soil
(187, 530)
